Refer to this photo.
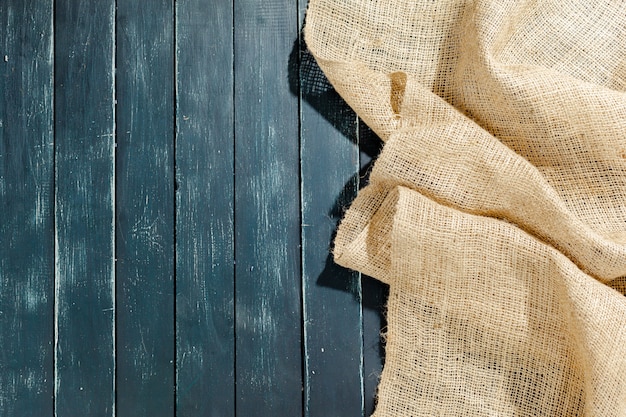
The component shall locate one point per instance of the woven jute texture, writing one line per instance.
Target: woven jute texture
(496, 211)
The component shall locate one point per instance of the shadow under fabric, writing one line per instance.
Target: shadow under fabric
(496, 211)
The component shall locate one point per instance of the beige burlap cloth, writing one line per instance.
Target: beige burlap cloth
(496, 211)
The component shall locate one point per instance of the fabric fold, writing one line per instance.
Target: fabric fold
(484, 319)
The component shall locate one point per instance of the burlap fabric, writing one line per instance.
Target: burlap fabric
(496, 211)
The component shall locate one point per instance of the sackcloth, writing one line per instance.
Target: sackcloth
(496, 211)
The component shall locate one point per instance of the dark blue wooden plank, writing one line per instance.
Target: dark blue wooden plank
(85, 158)
(374, 292)
(26, 204)
(204, 228)
(374, 325)
(332, 295)
(145, 208)
(267, 212)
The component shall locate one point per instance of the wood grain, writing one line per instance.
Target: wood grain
(145, 208)
(26, 204)
(205, 209)
(267, 212)
(85, 160)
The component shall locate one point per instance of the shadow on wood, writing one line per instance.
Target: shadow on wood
(307, 81)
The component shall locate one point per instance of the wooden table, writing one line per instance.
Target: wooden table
(171, 175)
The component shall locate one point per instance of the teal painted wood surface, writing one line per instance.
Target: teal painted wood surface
(145, 347)
(332, 321)
(267, 212)
(84, 141)
(205, 310)
(171, 177)
(26, 209)
(374, 293)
